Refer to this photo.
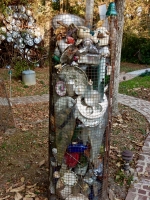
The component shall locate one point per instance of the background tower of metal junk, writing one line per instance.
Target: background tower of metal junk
(81, 83)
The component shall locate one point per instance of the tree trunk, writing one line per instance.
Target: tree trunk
(120, 5)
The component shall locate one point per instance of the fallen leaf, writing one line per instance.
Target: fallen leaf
(118, 164)
(45, 141)
(18, 196)
(30, 194)
(41, 163)
(124, 126)
(111, 147)
(115, 124)
(138, 144)
(146, 174)
(117, 177)
(24, 129)
(120, 120)
(147, 130)
(27, 198)
(5, 197)
(8, 190)
(140, 173)
(119, 155)
(113, 156)
(31, 186)
(130, 146)
(18, 189)
(136, 89)
(22, 179)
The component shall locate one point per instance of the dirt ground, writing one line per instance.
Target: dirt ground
(129, 131)
(24, 154)
(19, 89)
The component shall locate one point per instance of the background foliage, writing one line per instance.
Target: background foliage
(136, 38)
(135, 49)
(21, 65)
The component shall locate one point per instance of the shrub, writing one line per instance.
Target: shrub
(21, 65)
(135, 49)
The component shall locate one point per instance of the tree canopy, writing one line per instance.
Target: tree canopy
(137, 17)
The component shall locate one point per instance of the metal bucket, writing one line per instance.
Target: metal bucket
(28, 77)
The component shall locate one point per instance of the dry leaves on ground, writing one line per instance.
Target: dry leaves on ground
(129, 130)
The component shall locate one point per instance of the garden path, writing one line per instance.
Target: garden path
(140, 189)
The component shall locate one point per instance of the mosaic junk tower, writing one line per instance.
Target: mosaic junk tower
(78, 107)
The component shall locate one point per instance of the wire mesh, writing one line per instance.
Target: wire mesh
(79, 108)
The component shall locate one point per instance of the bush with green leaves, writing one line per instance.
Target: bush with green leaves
(135, 49)
(20, 65)
(123, 178)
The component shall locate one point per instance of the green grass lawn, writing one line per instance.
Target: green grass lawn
(134, 86)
